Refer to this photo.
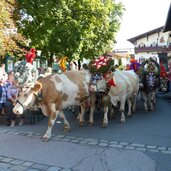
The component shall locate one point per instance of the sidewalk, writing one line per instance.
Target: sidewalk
(24, 150)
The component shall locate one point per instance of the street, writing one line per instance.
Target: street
(142, 143)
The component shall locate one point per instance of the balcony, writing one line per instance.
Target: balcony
(157, 49)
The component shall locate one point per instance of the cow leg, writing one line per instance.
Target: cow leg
(105, 117)
(81, 114)
(51, 122)
(145, 98)
(66, 123)
(155, 97)
(106, 103)
(129, 107)
(146, 104)
(134, 102)
(122, 109)
(112, 113)
(92, 109)
(152, 100)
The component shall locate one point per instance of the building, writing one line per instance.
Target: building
(154, 43)
(123, 56)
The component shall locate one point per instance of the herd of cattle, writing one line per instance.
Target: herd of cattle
(56, 92)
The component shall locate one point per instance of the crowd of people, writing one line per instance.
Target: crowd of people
(8, 93)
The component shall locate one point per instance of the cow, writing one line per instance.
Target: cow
(149, 83)
(100, 100)
(57, 92)
(124, 86)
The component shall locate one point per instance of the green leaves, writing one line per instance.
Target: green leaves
(76, 29)
(10, 40)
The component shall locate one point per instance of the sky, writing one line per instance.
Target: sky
(139, 17)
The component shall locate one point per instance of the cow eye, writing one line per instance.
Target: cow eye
(25, 95)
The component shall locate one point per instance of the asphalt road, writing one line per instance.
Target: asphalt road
(144, 141)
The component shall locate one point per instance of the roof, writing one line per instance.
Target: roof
(118, 55)
(167, 26)
(133, 39)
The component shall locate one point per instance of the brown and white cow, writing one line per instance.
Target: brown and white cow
(125, 88)
(57, 92)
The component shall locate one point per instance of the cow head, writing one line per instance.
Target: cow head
(26, 98)
(98, 83)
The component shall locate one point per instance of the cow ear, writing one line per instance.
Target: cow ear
(37, 87)
(85, 66)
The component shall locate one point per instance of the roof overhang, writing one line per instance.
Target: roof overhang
(146, 34)
(167, 26)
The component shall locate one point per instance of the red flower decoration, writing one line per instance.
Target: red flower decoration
(111, 82)
(31, 55)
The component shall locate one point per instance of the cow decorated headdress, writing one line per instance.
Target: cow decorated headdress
(134, 65)
(25, 73)
(101, 65)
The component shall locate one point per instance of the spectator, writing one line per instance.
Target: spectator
(12, 92)
(3, 73)
(48, 71)
(41, 70)
(169, 76)
(3, 94)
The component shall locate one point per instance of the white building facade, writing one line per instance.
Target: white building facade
(155, 44)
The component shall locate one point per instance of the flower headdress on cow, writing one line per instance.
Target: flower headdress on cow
(134, 65)
(25, 73)
(31, 55)
(99, 67)
(150, 65)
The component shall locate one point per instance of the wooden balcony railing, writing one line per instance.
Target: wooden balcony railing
(153, 49)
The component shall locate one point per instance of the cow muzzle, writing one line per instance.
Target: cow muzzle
(17, 111)
(92, 89)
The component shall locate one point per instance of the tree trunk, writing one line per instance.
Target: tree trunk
(50, 60)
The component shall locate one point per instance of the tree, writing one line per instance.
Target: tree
(72, 28)
(9, 37)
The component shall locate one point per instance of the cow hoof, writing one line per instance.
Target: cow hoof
(81, 123)
(90, 123)
(112, 117)
(46, 139)
(104, 125)
(130, 116)
(67, 129)
(122, 121)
